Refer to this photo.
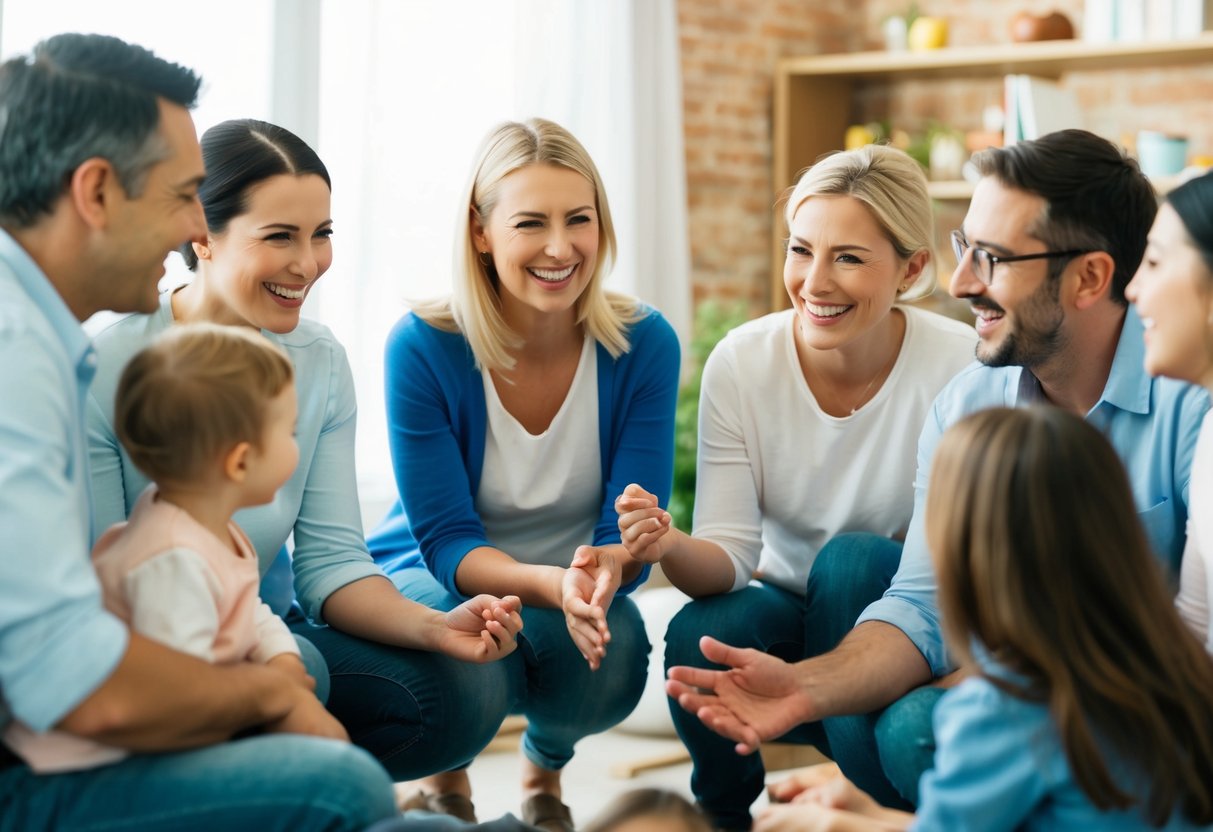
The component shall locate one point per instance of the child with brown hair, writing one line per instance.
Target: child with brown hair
(1089, 704)
(208, 413)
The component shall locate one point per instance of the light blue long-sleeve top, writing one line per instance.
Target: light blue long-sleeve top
(319, 504)
(1152, 423)
(57, 642)
(1000, 765)
(437, 422)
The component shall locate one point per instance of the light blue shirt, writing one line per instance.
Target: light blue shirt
(57, 642)
(1000, 764)
(1152, 423)
(319, 504)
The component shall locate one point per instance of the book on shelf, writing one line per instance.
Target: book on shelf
(1036, 106)
(1104, 21)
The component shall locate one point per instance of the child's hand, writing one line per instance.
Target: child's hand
(483, 629)
(308, 717)
(643, 525)
(802, 780)
(292, 666)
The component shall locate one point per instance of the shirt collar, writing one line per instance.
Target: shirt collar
(48, 300)
(1128, 386)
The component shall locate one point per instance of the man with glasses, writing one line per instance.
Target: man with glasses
(1054, 232)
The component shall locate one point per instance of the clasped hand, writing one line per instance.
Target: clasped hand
(587, 589)
(644, 526)
(482, 629)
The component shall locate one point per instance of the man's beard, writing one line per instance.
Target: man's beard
(1037, 334)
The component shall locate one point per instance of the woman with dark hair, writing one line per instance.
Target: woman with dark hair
(1173, 291)
(267, 199)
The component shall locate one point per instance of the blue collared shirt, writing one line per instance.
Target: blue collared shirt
(57, 642)
(1151, 422)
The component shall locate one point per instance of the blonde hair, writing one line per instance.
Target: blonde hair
(893, 187)
(193, 394)
(1041, 559)
(474, 307)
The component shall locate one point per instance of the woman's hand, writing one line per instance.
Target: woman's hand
(482, 629)
(644, 527)
(587, 590)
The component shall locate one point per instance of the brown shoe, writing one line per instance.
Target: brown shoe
(548, 813)
(455, 805)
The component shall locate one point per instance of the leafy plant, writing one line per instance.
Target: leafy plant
(713, 320)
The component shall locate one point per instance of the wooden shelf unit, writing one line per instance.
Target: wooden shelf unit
(813, 96)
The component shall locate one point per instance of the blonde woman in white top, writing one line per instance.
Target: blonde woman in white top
(808, 428)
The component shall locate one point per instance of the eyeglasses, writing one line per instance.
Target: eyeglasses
(983, 262)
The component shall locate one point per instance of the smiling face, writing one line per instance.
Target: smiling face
(144, 229)
(841, 271)
(1019, 318)
(259, 270)
(1173, 290)
(543, 238)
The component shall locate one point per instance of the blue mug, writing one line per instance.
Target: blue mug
(1160, 154)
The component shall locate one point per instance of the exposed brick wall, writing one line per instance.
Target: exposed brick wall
(729, 51)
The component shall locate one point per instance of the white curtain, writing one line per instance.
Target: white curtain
(610, 73)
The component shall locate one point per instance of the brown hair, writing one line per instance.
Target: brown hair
(649, 803)
(1041, 559)
(194, 393)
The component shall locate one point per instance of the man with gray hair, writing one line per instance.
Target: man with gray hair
(99, 175)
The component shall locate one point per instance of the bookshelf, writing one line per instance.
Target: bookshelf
(814, 96)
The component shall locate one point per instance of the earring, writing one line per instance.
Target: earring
(486, 258)
(903, 287)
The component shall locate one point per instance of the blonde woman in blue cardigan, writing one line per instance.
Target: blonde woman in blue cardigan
(517, 409)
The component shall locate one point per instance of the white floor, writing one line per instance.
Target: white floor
(605, 766)
(590, 781)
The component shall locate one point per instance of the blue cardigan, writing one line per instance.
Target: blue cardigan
(437, 420)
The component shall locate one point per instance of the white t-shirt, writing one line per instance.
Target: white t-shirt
(540, 496)
(1195, 578)
(778, 477)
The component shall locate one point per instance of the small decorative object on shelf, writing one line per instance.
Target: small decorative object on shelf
(1026, 26)
(927, 33)
(1160, 154)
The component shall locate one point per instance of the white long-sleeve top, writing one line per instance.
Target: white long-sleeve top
(778, 477)
(1195, 578)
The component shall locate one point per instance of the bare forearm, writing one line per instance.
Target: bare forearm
(491, 571)
(872, 667)
(372, 608)
(158, 699)
(698, 567)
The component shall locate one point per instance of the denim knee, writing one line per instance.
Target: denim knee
(850, 572)
(905, 739)
(563, 700)
(315, 665)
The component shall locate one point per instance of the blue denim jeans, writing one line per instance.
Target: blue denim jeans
(850, 572)
(417, 712)
(905, 737)
(262, 784)
(545, 679)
